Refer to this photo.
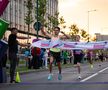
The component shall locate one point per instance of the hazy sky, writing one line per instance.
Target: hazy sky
(76, 12)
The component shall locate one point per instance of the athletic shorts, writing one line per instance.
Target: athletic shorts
(56, 56)
(77, 59)
(101, 58)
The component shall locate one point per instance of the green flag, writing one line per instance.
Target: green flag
(3, 27)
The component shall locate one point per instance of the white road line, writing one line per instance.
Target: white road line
(103, 69)
(94, 75)
(89, 77)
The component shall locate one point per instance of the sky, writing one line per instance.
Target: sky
(76, 12)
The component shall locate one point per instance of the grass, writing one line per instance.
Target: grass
(21, 61)
(22, 68)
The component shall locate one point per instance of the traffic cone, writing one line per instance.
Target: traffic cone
(18, 79)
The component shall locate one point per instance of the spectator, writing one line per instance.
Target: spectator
(45, 58)
(65, 56)
(41, 57)
(13, 49)
(27, 57)
(36, 57)
(4, 58)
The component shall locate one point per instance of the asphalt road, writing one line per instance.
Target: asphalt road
(92, 79)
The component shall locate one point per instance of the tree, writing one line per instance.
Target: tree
(28, 17)
(84, 34)
(62, 22)
(94, 39)
(55, 21)
(42, 12)
(74, 31)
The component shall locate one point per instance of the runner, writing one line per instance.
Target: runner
(55, 52)
(89, 58)
(101, 57)
(78, 54)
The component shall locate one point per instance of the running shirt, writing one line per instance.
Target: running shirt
(89, 54)
(13, 43)
(77, 56)
(54, 43)
(77, 52)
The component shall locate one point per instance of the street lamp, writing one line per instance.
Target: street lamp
(37, 17)
(88, 20)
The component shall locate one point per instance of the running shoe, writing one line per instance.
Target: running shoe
(50, 77)
(79, 77)
(59, 77)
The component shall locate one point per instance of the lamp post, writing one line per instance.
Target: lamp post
(88, 20)
(37, 17)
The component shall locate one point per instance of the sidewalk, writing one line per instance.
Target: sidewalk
(39, 70)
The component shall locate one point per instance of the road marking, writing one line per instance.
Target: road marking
(94, 75)
(103, 69)
(89, 77)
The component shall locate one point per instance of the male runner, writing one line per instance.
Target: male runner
(55, 52)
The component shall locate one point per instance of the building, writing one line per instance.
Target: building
(16, 11)
(101, 37)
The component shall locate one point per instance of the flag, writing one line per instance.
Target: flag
(3, 27)
(3, 5)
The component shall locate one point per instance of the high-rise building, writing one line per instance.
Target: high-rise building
(16, 11)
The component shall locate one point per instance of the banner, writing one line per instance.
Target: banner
(71, 45)
(3, 5)
(106, 46)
